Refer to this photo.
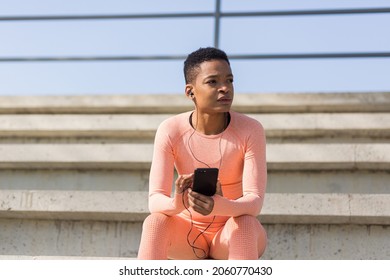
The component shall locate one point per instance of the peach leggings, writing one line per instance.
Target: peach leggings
(165, 237)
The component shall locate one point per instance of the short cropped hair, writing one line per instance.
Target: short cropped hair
(194, 59)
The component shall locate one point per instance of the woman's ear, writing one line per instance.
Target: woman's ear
(189, 91)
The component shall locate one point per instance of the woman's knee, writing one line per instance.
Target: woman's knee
(245, 222)
(249, 224)
(156, 222)
(155, 237)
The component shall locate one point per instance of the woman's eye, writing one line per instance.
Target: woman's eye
(211, 82)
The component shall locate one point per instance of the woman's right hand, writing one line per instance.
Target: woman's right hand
(183, 182)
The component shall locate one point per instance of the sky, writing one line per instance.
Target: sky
(124, 37)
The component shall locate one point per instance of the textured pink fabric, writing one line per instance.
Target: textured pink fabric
(240, 238)
(243, 172)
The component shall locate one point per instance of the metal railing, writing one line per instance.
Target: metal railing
(217, 15)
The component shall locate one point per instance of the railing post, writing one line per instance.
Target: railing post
(217, 19)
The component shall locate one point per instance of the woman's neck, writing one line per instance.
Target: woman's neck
(209, 124)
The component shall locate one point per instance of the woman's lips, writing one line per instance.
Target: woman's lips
(224, 100)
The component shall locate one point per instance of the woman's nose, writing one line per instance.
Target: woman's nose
(224, 88)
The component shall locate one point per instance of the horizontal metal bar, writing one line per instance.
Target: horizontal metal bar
(192, 15)
(105, 17)
(312, 55)
(182, 57)
(307, 12)
(91, 58)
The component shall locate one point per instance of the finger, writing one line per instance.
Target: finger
(198, 196)
(187, 181)
(200, 204)
(183, 182)
(205, 202)
(200, 209)
(179, 184)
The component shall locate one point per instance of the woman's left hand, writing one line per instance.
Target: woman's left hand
(202, 204)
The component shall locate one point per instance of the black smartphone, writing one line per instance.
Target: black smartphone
(205, 181)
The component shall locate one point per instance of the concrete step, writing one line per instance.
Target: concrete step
(295, 168)
(68, 179)
(307, 156)
(71, 125)
(152, 104)
(305, 208)
(284, 181)
(108, 225)
(143, 126)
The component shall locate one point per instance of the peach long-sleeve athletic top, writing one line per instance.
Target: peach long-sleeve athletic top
(243, 171)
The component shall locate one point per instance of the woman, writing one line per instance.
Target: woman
(189, 225)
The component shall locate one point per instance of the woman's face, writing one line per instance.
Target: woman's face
(213, 87)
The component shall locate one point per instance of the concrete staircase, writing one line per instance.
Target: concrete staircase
(74, 173)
